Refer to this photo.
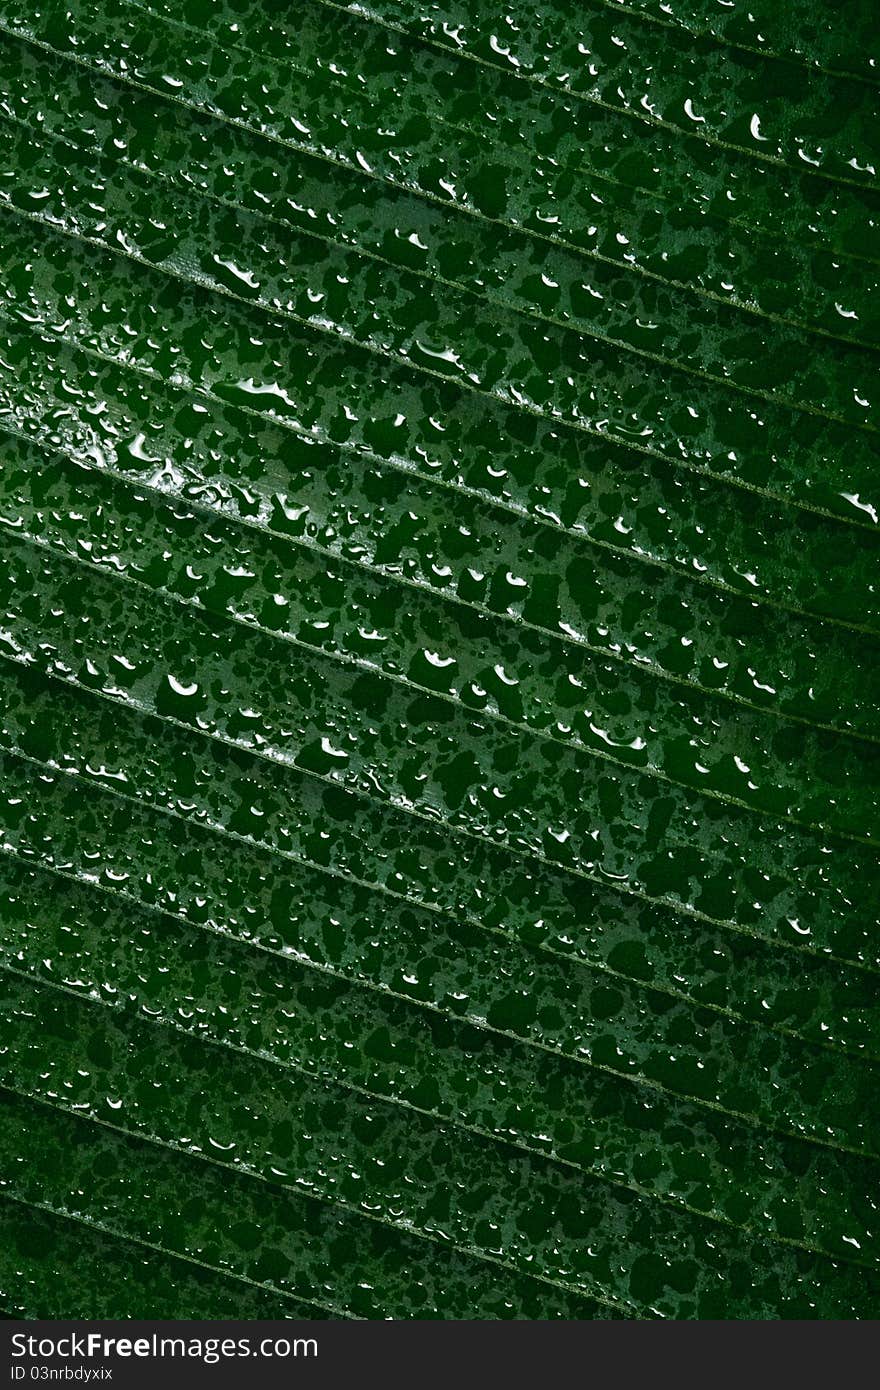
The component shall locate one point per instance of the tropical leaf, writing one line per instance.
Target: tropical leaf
(708, 253)
(439, 635)
(608, 603)
(512, 1211)
(48, 1260)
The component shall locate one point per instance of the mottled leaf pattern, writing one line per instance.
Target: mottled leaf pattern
(439, 636)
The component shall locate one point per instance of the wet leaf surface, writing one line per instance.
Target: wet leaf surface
(439, 630)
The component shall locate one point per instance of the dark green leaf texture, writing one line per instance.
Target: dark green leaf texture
(43, 1257)
(439, 635)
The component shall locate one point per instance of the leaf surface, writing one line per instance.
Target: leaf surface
(439, 637)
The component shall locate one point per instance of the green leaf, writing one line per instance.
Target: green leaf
(440, 764)
(564, 316)
(46, 1261)
(270, 1251)
(608, 603)
(532, 904)
(438, 661)
(309, 1023)
(597, 391)
(518, 678)
(792, 29)
(514, 1212)
(607, 56)
(624, 228)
